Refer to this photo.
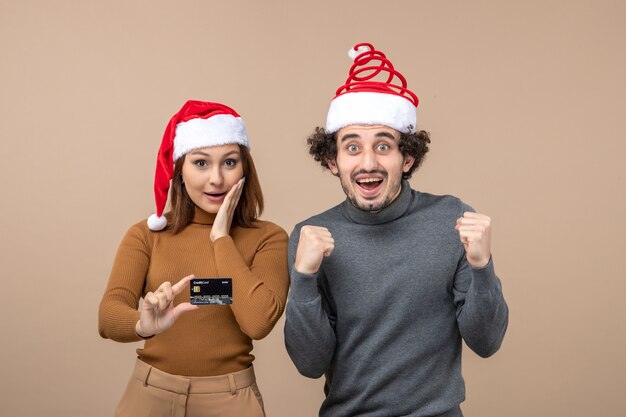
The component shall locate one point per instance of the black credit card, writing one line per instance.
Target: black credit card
(211, 291)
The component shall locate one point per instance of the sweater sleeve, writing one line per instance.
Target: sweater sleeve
(259, 290)
(118, 312)
(309, 327)
(482, 313)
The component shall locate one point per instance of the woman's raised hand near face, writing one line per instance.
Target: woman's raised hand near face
(224, 217)
(157, 312)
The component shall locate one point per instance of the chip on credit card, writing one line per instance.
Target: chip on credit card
(204, 291)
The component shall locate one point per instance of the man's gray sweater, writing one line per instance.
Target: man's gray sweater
(384, 316)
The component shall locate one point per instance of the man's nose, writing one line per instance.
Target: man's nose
(369, 160)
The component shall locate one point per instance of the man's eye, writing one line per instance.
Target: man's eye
(383, 147)
(353, 148)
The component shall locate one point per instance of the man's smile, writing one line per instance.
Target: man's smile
(369, 184)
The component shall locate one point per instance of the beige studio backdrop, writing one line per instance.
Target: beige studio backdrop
(524, 101)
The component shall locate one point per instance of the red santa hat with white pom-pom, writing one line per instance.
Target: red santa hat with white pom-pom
(198, 124)
(374, 94)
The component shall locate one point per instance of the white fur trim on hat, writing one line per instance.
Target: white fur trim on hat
(157, 223)
(221, 129)
(369, 108)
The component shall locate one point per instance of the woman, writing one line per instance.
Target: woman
(196, 360)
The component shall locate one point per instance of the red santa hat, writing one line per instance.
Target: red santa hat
(197, 124)
(364, 100)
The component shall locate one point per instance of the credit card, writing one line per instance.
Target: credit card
(203, 291)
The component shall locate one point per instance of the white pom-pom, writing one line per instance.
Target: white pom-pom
(353, 54)
(157, 223)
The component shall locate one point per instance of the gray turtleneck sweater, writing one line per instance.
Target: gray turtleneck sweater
(384, 316)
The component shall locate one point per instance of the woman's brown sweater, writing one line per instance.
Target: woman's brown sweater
(215, 339)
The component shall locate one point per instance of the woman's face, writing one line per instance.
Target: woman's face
(209, 173)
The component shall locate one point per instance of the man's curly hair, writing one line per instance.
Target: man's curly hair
(323, 146)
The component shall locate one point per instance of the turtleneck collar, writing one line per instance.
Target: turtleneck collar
(396, 209)
(202, 217)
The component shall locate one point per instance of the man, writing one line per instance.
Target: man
(386, 285)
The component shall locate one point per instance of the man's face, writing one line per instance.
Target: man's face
(370, 165)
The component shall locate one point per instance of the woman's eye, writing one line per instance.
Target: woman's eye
(201, 163)
(230, 162)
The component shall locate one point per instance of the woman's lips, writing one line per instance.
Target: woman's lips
(215, 197)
